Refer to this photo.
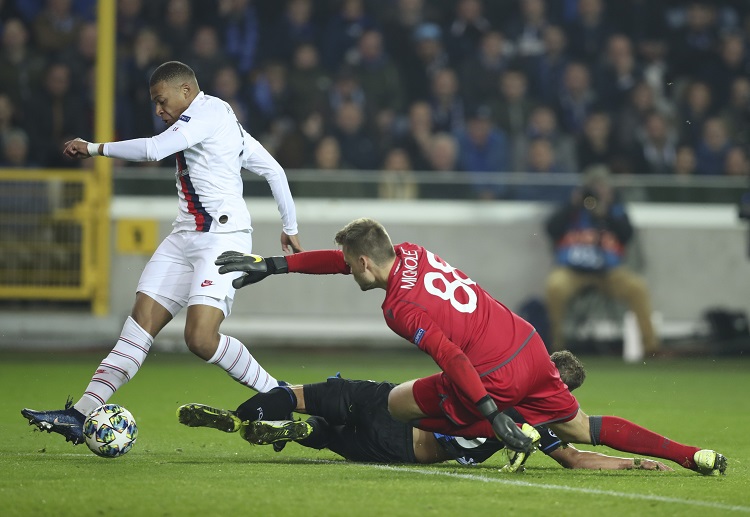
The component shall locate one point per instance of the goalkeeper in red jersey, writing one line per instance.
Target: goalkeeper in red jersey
(491, 359)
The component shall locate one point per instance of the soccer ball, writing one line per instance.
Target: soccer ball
(110, 431)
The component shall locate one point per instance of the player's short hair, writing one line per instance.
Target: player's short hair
(570, 367)
(172, 71)
(368, 237)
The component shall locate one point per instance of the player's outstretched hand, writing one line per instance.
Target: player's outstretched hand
(644, 464)
(77, 148)
(255, 267)
(290, 243)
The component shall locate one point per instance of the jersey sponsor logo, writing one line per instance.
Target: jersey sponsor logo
(206, 283)
(409, 273)
(418, 335)
(184, 118)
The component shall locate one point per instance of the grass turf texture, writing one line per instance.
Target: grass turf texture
(176, 470)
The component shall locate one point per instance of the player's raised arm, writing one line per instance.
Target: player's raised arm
(137, 150)
(256, 268)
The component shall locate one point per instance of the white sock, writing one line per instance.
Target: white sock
(121, 365)
(241, 366)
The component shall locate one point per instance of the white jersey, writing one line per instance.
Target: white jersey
(209, 184)
(211, 148)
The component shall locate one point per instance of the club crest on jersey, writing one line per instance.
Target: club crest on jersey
(418, 335)
(184, 118)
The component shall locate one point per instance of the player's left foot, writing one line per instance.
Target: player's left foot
(200, 415)
(67, 422)
(265, 432)
(710, 463)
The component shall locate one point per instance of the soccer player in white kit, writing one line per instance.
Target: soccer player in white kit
(211, 148)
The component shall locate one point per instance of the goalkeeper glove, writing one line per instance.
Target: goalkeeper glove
(504, 427)
(256, 268)
(516, 460)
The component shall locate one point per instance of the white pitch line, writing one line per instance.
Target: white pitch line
(592, 491)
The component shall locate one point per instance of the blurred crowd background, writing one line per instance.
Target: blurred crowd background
(643, 87)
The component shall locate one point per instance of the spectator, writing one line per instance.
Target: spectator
(269, 98)
(343, 31)
(711, 153)
(328, 155)
(733, 63)
(447, 104)
(238, 26)
(357, 145)
(346, 88)
(543, 125)
(15, 145)
(7, 116)
(481, 74)
(308, 82)
(81, 59)
(227, 86)
(129, 22)
(656, 151)
(695, 109)
(642, 20)
(589, 31)
(399, 26)
(576, 99)
(416, 140)
(527, 31)
(597, 144)
(513, 107)
(657, 69)
(22, 67)
(736, 114)
(590, 234)
(378, 76)
(56, 27)
(296, 148)
(55, 116)
(692, 46)
(546, 71)
(430, 56)
(483, 149)
(736, 163)
(177, 31)
(295, 28)
(397, 179)
(685, 162)
(135, 114)
(443, 158)
(631, 119)
(205, 55)
(541, 159)
(619, 73)
(466, 30)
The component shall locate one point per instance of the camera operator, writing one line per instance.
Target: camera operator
(590, 234)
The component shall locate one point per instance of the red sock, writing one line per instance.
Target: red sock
(479, 429)
(626, 436)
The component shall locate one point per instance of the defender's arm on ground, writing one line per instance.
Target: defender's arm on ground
(571, 458)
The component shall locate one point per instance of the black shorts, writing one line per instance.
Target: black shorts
(357, 412)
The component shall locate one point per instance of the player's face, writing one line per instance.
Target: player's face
(360, 272)
(170, 100)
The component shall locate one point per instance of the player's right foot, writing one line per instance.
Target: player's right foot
(710, 463)
(67, 422)
(200, 415)
(265, 432)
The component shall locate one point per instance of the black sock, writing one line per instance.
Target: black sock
(320, 435)
(277, 404)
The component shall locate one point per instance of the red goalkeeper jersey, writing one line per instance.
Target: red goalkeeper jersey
(438, 308)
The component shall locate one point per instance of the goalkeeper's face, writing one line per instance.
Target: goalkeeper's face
(170, 99)
(361, 273)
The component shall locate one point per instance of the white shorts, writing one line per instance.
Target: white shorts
(182, 271)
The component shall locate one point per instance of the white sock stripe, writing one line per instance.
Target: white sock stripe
(247, 368)
(95, 396)
(236, 360)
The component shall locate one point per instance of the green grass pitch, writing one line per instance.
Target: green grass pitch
(178, 471)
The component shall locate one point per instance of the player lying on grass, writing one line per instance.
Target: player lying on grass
(491, 359)
(351, 418)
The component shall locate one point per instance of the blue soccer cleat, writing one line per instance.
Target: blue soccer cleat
(67, 422)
